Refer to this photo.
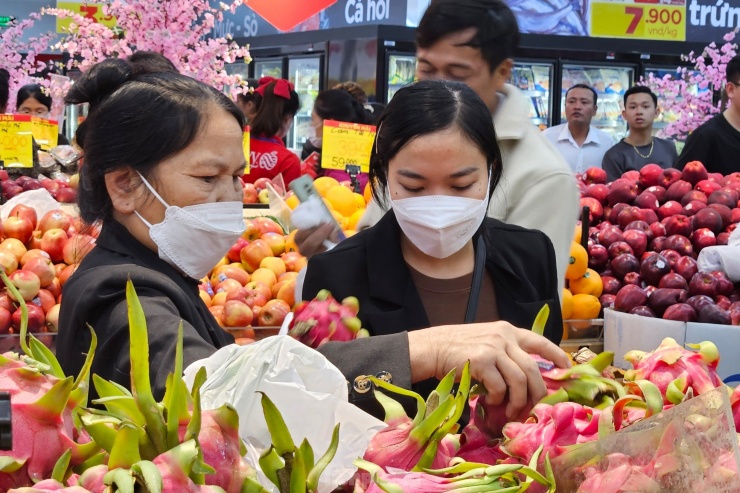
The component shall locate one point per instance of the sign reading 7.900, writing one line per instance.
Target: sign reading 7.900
(346, 143)
(638, 21)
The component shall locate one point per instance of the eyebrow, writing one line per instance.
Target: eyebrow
(458, 174)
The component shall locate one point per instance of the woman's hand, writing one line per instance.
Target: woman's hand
(499, 355)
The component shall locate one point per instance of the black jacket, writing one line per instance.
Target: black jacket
(96, 295)
(370, 266)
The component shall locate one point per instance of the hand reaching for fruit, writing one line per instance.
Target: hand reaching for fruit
(499, 355)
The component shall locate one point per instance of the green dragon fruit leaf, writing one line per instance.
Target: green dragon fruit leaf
(601, 361)
(125, 452)
(271, 463)
(421, 404)
(120, 480)
(312, 481)
(43, 354)
(676, 390)
(59, 473)
(120, 406)
(95, 460)
(82, 382)
(193, 429)
(140, 385)
(147, 475)
(54, 401)
(298, 473)
(651, 395)
(560, 395)
(279, 432)
(252, 486)
(540, 321)
(10, 465)
(101, 428)
(307, 454)
(176, 395)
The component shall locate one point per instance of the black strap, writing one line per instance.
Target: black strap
(475, 287)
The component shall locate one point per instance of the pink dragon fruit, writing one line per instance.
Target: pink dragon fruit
(621, 476)
(552, 426)
(324, 319)
(735, 403)
(676, 371)
(49, 485)
(175, 466)
(477, 446)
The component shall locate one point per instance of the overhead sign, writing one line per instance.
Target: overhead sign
(634, 20)
(6, 21)
(85, 9)
(287, 14)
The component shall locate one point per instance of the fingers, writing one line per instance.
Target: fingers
(311, 241)
(536, 388)
(536, 344)
(494, 383)
(516, 381)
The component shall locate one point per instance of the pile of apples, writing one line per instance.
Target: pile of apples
(256, 193)
(254, 284)
(61, 190)
(39, 255)
(647, 229)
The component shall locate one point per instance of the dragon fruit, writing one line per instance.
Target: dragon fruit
(50, 485)
(735, 404)
(621, 476)
(678, 373)
(477, 446)
(324, 319)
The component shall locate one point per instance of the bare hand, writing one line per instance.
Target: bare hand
(311, 241)
(499, 355)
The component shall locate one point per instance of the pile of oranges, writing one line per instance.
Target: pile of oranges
(580, 299)
(346, 206)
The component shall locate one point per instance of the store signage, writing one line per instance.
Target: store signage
(46, 132)
(16, 141)
(85, 9)
(638, 21)
(346, 143)
(287, 14)
(246, 137)
(710, 20)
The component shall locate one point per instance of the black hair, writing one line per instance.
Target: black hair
(150, 61)
(34, 91)
(733, 70)
(374, 112)
(272, 111)
(355, 90)
(496, 30)
(583, 86)
(135, 121)
(4, 88)
(339, 105)
(640, 90)
(427, 107)
(251, 96)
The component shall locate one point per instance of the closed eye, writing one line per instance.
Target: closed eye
(463, 188)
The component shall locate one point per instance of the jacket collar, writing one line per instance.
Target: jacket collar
(512, 115)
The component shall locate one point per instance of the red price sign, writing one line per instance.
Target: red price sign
(638, 21)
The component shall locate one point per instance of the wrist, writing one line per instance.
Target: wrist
(422, 355)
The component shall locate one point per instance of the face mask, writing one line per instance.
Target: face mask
(439, 225)
(313, 138)
(194, 238)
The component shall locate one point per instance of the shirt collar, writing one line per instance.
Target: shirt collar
(566, 135)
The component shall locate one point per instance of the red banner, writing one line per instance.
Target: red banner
(287, 14)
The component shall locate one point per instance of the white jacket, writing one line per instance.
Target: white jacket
(537, 189)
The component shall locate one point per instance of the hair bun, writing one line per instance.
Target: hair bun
(99, 82)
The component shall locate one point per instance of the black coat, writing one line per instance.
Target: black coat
(96, 294)
(370, 266)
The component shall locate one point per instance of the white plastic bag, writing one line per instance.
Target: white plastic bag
(310, 392)
(40, 199)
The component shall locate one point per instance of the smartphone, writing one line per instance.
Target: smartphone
(304, 189)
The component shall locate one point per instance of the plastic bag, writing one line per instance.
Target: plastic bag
(310, 392)
(40, 199)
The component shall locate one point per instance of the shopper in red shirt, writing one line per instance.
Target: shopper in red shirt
(268, 155)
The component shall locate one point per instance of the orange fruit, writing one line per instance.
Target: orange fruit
(360, 200)
(292, 202)
(290, 243)
(350, 232)
(343, 200)
(590, 283)
(567, 304)
(340, 219)
(367, 193)
(577, 263)
(577, 234)
(355, 218)
(324, 183)
(585, 307)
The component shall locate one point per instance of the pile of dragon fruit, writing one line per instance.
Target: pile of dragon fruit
(126, 441)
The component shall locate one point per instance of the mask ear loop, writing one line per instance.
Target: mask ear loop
(154, 192)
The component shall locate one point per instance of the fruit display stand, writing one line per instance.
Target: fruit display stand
(578, 334)
(624, 332)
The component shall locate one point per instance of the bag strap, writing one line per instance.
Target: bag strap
(480, 265)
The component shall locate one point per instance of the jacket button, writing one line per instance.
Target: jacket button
(384, 376)
(362, 385)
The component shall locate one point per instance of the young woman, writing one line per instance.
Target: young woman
(435, 276)
(31, 100)
(275, 111)
(339, 105)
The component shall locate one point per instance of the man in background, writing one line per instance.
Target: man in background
(716, 143)
(639, 147)
(581, 145)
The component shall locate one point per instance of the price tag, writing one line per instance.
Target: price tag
(638, 21)
(85, 9)
(16, 141)
(46, 132)
(346, 143)
(245, 146)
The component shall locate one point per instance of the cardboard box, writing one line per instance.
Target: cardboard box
(624, 332)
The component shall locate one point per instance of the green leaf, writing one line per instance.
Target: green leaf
(82, 382)
(279, 432)
(43, 354)
(175, 399)
(421, 404)
(9, 464)
(252, 486)
(54, 401)
(125, 452)
(540, 321)
(298, 474)
(307, 454)
(271, 463)
(119, 480)
(312, 482)
(148, 476)
(193, 429)
(24, 311)
(59, 472)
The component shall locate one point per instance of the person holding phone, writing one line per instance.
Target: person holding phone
(439, 282)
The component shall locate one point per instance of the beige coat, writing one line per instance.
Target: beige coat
(537, 189)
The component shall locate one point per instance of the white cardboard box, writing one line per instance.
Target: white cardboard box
(624, 332)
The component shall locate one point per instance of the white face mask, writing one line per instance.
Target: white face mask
(440, 225)
(194, 238)
(313, 138)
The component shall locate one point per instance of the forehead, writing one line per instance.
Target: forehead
(32, 103)
(639, 98)
(219, 138)
(580, 93)
(439, 153)
(452, 51)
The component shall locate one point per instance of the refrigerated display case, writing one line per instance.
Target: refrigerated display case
(610, 83)
(305, 74)
(268, 68)
(534, 79)
(401, 71)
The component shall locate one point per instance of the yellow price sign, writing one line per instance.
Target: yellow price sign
(46, 132)
(638, 21)
(85, 9)
(16, 141)
(346, 143)
(245, 146)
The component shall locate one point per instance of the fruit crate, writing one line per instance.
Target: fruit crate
(583, 333)
(12, 342)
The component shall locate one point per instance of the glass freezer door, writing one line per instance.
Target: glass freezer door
(268, 68)
(401, 71)
(305, 74)
(534, 80)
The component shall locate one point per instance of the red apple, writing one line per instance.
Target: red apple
(595, 210)
(6, 321)
(598, 191)
(724, 284)
(598, 256)
(699, 301)
(723, 238)
(723, 302)
(703, 283)
(53, 243)
(237, 314)
(657, 244)
(45, 300)
(680, 312)
(714, 314)
(708, 218)
(607, 301)
(234, 253)
(716, 177)
(662, 298)
(261, 183)
(610, 235)
(43, 268)
(294, 261)
(629, 297)
(653, 268)
(640, 226)
(637, 240)
(66, 195)
(251, 231)
(267, 225)
(659, 192)
(632, 278)
(18, 227)
(52, 318)
(733, 192)
(708, 187)
(56, 219)
(632, 176)
(671, 255)
(692, 208)
(227, 286)
(27, 283)
(670, 208)
(722, 197)
(724, 212)
(624, 263)
(657, 229)
(252, 254)
(678, 190)
(621, 191)
(36, 319)
(611, 285)
(678, 243)
(629, 214)
(7, 302)
(67, 272)
(34, 252)
(21, 210)
(249, 195)
(694, 195)
(55, 288)
(694, 172)
(669, 177)
(276, 242)
(647, 200)
(686, 267)
(8, 261)
(77, 248)
(618, 248)
(594, 175)
(678, 225)
(273, 313)
(702, 238)
(642, 311)
(650, 175)
(673, 281)
(11, 191)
